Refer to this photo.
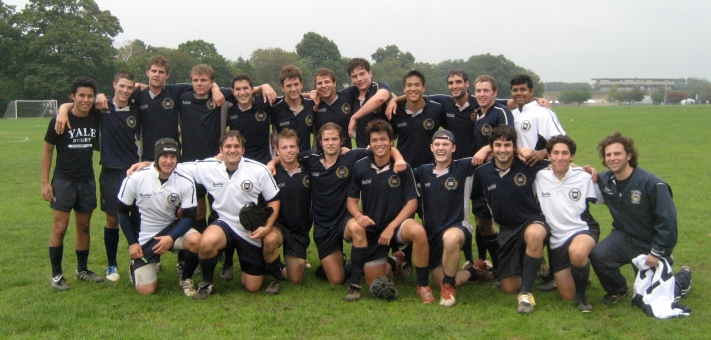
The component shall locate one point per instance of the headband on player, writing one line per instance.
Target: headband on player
(443, 134)
(167, 145)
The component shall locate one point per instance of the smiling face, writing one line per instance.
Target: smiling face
(457, 86)
(166, 164)
(243, 91)
(83, 100)
(442, 149)
(561, 158)
(123, 90)
(617, 159)
(484, 94)
(504, 153)
(287, 150)
(232, 151)
(326, 88)
(361, 79)
(521, 94)
(292, 88)
(380, 144)
(414, 88)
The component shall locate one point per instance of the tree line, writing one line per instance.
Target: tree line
(50, 42)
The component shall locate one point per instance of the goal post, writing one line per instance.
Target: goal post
(31, 108)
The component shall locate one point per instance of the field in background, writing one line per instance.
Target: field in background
(673, 142)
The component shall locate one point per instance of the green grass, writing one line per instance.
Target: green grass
(672, 141)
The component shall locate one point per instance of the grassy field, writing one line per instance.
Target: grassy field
(672, 141)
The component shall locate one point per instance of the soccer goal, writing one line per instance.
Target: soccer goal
(31, 108)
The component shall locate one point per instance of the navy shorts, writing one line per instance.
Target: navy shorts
(512, 247)
(110, 181)
(559, 258)
(251, 258)
(77, 195)
(330, 239)
(295, 244)
(437, 246)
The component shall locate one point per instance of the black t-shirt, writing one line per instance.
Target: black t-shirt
(75, 146)
(295, 193)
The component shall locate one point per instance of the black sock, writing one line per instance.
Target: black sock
(208, 269)
(358, 256)
(111, 241)
(408, 255)
(55, 259)
(191, 263)
(480, 245)
(229, 256)
(392, 262)
(449, 279)
(82, 260)
(530, 271)
(491, 243)
(580, 277)
(274, 269)
(181, 255)
(423, 276)
(472, 271)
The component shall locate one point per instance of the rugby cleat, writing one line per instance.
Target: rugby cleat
(88, 275)
(58, 282)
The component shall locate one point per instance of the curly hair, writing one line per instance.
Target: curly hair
(627, 143)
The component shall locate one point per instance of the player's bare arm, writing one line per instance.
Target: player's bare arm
(137, 167)
(217, 97)
(362, 219)
(267, 92)
(371, 105)
(47, 153)
(263, 231)
(407, 211)
(62, 121)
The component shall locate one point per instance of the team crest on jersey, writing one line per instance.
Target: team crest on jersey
(306, 181)
(346, 108)
(472, 116)
(173, 198)
(520, 179)
(260, 116)
(168, 103)
(246, 186)
(428, 124)
(210, 104)
(635, 196)
(526, 125)
(309, 120)
(451, 183)
(342, 172)
(131, 121)
(486, 130)
(394, 181)
(574, 194)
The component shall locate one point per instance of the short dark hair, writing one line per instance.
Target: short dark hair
(379, 125)
(289, 72)
(561, 139)
(329, 126)
(232, 134)
(83, 82)
(287, 134)
(503, 132)
(159, 61)
(627, 143)
(522, 79)
(240, 77)
(357, 63)
(460, 73)
(487, 79)
(324, 72)
(123, 74)
(414, 73)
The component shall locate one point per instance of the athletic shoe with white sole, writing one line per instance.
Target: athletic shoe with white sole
(583, 304)
(525, 303)
(88, 275)
(188, 287)
(425, 294)
(275, 287)
(58, 282)
(548, 286)
(204, 290)
(448, 295)
(611, 299)
(227, 273)
(353, 293)
(112, 274)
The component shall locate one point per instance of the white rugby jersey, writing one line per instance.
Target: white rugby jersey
(564, 203)
(157, 203)
(231, 194)
(534, 121)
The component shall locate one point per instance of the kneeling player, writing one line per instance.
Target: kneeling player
(158, 192)
(564, 193)
(294, 221)
(389, 202)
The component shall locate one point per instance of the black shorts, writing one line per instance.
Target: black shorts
(330, 239)
(376, 250)
(200, 191)
(437, 246)
(251, 258)
(480, 208)
(512, 247)
(559, 258)
(110, 181)
(77, 195)
(295, 244)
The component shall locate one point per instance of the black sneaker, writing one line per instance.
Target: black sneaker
(611, 299)
(548, 286)
(204, 290)
(583, 304)
(59, 282)
(227, 273)
(275, 287)
(88, 275)
(680, 291)
(353, 293)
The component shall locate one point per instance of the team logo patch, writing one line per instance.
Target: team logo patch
(260, 116)
(246, 186)
(131, 121)
(525, 125)
(520, 179)
(486, 130)
(309, 120)
(210, 104)
(173, 198)
(428, 124)
(346, 108)
(306, 181)
(574, 194)
(168, 103)
(342, 172)
(451, 183)
(472, 116)
(394, 181)
(635, 196)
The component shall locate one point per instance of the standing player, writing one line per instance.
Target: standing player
(563, 192)
(73, 185)
(294, 221)
(643, 218)
(389, 201)
(371, 100)
(333, 106)
(447, 225)
(293, 111)
(507, 185)
(159, 229)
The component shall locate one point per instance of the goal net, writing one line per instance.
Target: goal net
(31, 108)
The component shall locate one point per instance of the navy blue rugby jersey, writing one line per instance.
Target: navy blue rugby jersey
(200, 122)
(283, 117)
(254, 124)
(361, 139)
(414, 132)
(295, 193)
(339, 112)
(497, 115)
(159, 116)
(119, 133)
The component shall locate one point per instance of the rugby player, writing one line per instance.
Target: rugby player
(370, 101)
(293, 111)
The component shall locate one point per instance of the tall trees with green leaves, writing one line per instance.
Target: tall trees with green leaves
(316, 51)
(575, 95)
(206, 53)
(267, 63)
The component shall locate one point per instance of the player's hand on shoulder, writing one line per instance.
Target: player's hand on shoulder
(399, 166)
(480, 157)
(391, 108)
(352, 127)
(62, 121)
(344, 150)
(592, 171)
(136, 167)
(101, 102)
(543, 102)
(524, 153)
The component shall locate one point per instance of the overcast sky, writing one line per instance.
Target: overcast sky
(561, 40)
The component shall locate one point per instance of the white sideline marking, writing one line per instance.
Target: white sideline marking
(14, 139)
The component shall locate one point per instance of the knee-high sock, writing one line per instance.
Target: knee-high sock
(580, 277)
(208, 269)
(358, 256)
(530, 271)
(111, 241)
(55, 259)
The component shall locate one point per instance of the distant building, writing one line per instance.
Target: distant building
(627, 84)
